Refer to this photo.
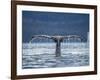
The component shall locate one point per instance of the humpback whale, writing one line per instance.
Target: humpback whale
(57, 39)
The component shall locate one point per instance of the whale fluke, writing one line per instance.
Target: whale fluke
(57, 39)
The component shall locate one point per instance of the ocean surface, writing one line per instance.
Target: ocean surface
(42, 55)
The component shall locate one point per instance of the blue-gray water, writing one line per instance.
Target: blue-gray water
(42, 55)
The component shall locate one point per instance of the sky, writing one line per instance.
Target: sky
(54, 23)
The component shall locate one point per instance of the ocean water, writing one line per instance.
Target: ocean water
(42, 55)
